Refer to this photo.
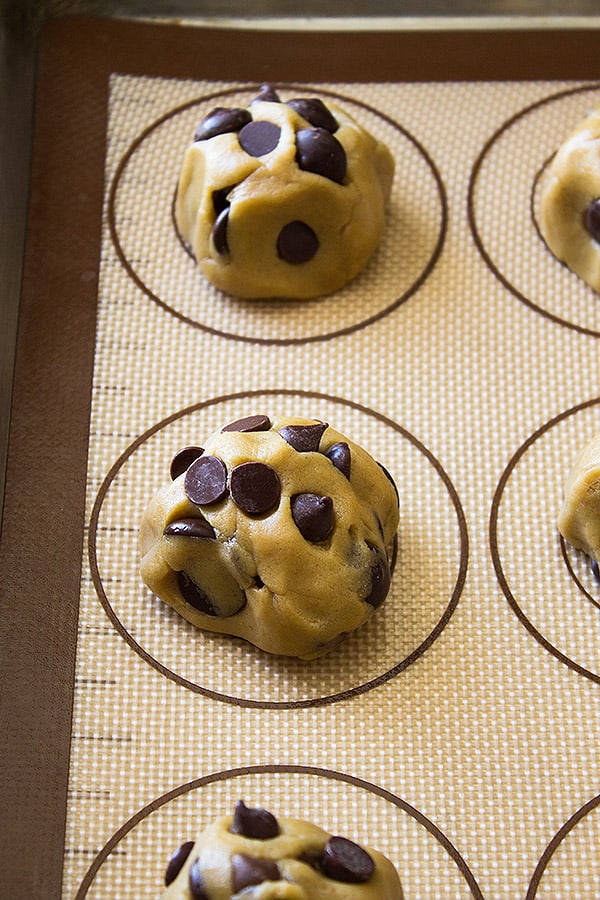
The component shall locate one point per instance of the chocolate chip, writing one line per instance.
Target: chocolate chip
(390, 479)
(221, 120)
(314, 111)
(249, 423)
(220, 198)
(194, 595)
(177, 862)
(183, 460)
(345, 861)
(206, 480)
(320, 152)
(196, 882)
(196, 527)
(592, 219)
(297, 243)
(313, 516)
(253, 822)
(595, 569)
(304, 438)
(251, 870)
(267, 93)
(255, 487)
(259, 137)
(339, 454)
(380, 577)
(219, 232)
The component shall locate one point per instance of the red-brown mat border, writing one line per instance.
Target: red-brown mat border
(47, 456)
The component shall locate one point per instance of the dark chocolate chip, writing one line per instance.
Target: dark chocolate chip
(339, 454)
(380, 577)
(253, 822)
(194, 595)
(219, 199)
(345, 861)
(267, 93)
(592, 219)
(196, 882)
(259, 137)
(314, 111)
(320, 152)
(219, 232)
(183, 460)
(297, 243)
(177, 862)
(314, 516)
(596, 569)
(249, 870)
(206, 480)
(258, 582)
(249, 423)
(221, 120)
(255, 487)
(196, 527)
(390, 479)
(304, 438)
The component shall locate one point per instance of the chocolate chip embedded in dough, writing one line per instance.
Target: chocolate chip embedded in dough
(249, 423)
(320, 152)
(297, 243)
(304, 438)
(195, 596)
(259, 137)
(206, 481)
(267, 93)
(250, 870)
(390, 479)
(183, 460)
(343, 860)
(219, 232)
(314, 111)
(196, 882)
(255, 488)
(340, 456)
(196, 527)
(592, 219)
(380, 577)
(313, 516)
(177, 862)
(221, 120)
(253, 822)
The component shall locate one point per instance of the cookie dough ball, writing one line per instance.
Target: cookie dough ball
(570, 202)
(256, 856)
(282, 533)
(579, 517)
(282, 199)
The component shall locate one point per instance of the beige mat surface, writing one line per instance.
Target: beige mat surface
(458, 732)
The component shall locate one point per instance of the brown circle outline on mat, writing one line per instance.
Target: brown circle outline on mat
(228, 774)
(471, 206)
(493, 538)
(273, 704)
(556, 841)
(357, 326)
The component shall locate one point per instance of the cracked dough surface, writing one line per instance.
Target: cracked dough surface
(221, 865)
(569, 202)
(579, 517)
(284, 535)
(295, 220)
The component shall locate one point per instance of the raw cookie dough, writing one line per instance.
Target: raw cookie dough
(579, 517)
(570, 202)
(282, 199)
(281, 533)
(256, 856)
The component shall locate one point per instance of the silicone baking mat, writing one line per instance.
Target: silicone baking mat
(458, 731)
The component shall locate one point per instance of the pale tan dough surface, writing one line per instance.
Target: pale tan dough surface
(270, 191)
(579, 518)
(573, 183)
(269, 584)
(299, 880)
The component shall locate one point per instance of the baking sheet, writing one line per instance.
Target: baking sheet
(458, 731)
